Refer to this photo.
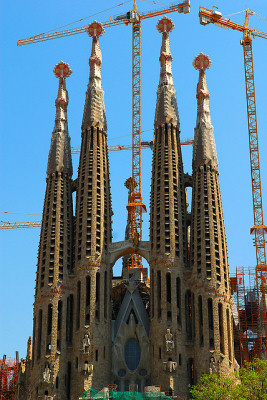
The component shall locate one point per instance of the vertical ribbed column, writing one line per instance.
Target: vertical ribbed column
(91, 363)
(213, 343)
(167, 230)
(54, 257)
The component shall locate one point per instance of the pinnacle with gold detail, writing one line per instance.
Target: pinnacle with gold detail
(59, 159)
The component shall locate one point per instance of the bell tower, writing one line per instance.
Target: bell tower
(209, 260)
(91, 341)
(167, 228)
(54, 256)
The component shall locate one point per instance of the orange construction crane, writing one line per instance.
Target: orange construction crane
(259, 229)
(135, 207)
(76, 150)
(144, 145)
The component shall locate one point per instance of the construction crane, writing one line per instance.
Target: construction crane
(144, 145)
(135, 206)
(259, 229)
(76, 150)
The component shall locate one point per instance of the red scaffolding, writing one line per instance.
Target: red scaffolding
(9, 368)
(242, 314)
(251, 296)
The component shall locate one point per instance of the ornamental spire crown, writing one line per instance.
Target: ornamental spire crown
(94, 109)
(204, 144)
(166, 108)
(59, 159)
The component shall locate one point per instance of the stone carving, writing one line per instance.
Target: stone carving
(87, 368)
(136, 240)
(169, 366)
(86, 344)
(236, 365)
(47, 374)
(213, 368)
(169, 341)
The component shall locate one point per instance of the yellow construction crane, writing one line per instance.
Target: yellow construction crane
(259, 229)
(144, 145)
(135, 207)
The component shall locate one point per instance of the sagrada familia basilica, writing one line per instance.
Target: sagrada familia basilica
(158, 328)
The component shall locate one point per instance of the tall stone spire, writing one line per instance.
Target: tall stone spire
(54, 256)
(59, 158)
(92, 281)
(166, 109)
(209, 280)
(204, 144)
(167, 227)
(94, 108)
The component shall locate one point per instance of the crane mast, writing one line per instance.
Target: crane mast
(258, 229)
(136, 206)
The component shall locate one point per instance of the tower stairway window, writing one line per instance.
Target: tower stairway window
(78, 305)
(39, 341)
(210, 321)
(159, 293)
(200, 321)
(178, 300)
(221, 330)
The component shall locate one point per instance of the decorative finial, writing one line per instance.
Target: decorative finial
(62, 70)
(95, 29)
(201, 62)
(165, 25)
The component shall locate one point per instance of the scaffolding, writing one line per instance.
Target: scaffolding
(261, 279)
(252, 317)
(242, 315)
(9, 368)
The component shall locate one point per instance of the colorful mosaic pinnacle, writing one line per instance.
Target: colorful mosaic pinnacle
(62, 70)
(95, 29)
(201, 62)
(165, 25)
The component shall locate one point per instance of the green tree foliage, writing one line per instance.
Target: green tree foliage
(249, 383)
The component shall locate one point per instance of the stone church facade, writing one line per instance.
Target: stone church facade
(91, 329)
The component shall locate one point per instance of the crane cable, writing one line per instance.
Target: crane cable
(89, 16)
(9, 212)
(118, 137)
(263, 19)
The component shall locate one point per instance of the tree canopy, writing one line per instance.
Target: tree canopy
(249, 383)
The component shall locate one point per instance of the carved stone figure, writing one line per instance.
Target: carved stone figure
(87, 368)
(47, 374)
(136, 240)
(86, 344)
(169, 366)
(169, 341)
(213, 369)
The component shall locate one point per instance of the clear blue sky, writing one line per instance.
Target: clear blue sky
(28, 92)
